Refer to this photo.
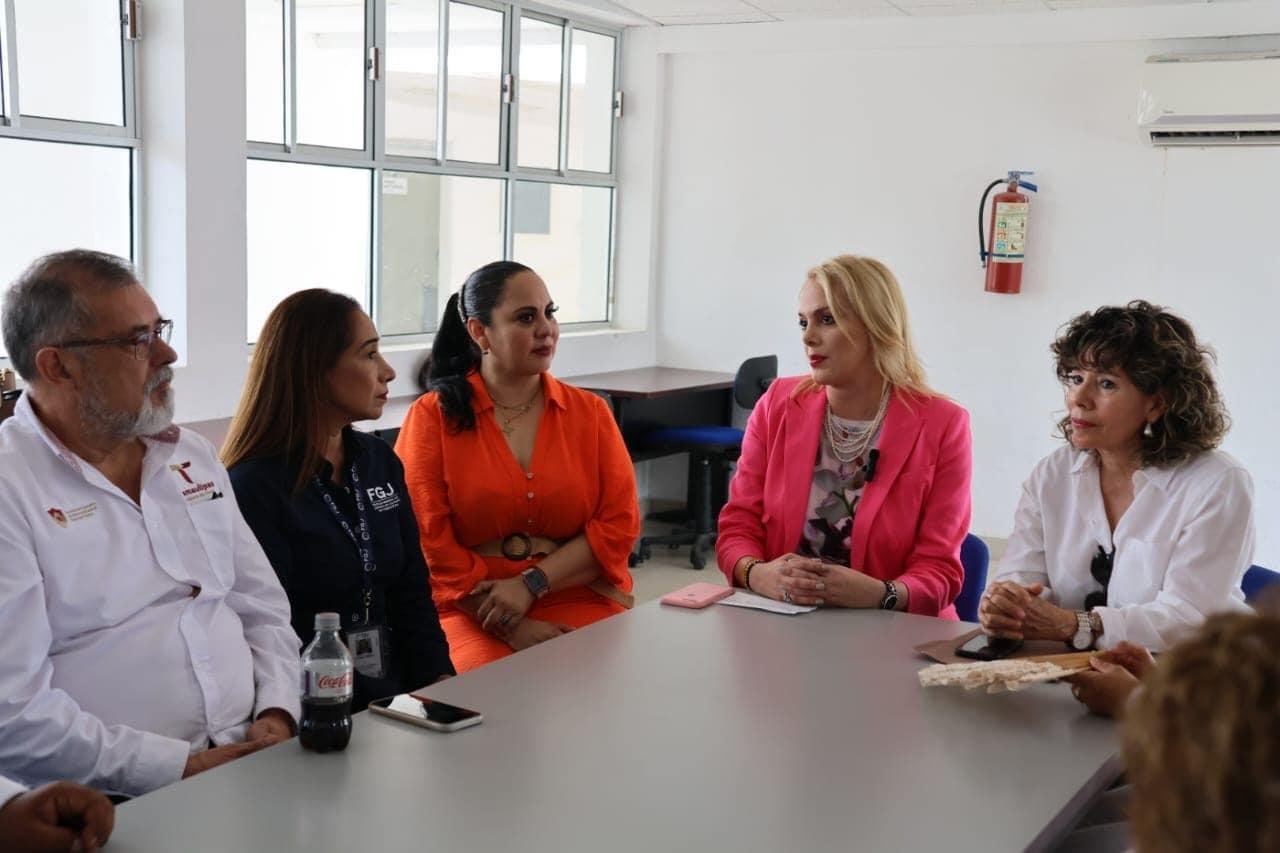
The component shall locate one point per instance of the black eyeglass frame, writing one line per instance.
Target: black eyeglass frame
(142, 342)
(1100, 568)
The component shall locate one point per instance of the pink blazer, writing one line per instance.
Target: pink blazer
(913, 515)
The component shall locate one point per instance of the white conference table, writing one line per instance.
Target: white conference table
(666, 729)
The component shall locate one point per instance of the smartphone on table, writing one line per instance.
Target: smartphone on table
(982, 647)
(697, 595)
(428, 713)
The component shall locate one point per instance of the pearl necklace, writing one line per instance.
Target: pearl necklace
(847, 445)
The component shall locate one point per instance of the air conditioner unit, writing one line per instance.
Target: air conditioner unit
(1231, 99)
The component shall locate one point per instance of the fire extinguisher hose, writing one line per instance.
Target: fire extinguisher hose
(982, 205)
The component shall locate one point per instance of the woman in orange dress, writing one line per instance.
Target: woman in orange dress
(523, 488)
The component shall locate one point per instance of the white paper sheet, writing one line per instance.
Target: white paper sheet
(742, 598)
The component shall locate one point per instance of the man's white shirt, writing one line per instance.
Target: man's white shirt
(131, 634)
(9, 789)
(1181, 548)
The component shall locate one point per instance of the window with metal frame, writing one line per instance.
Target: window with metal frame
(396, 145)
(68, 129)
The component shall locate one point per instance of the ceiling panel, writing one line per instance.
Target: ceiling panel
(729, 18)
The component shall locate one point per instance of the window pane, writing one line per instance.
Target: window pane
(563, 233)
(87, 206)
(330, 73)
(294, 212)
(264, 83)
(413, 78)
(474, 99)
(591, 102)
(70, 63)
(435, 231)
(538, 93)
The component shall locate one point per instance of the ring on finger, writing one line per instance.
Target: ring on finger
(506, 617)
(786, 595)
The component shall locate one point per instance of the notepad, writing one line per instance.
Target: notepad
(741, 598)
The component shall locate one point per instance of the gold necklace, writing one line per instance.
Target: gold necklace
(508, 421)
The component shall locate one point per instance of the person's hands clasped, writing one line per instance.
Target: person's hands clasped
(834, 585)
(1017, 612)
(780, 579)
(502, 604)
(61, 816)
(530, 632)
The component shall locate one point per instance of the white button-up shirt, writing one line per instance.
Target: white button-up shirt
(1181, 548)
(9, 789)
(131, 634)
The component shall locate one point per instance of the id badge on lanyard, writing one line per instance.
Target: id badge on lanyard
(369, 644)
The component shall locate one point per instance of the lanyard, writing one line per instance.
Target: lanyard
(362, 541)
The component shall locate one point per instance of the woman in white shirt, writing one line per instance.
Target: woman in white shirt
(1138, 529)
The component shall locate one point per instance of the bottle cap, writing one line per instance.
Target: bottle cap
(328, 621)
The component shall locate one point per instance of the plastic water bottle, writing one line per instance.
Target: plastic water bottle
(327, 680)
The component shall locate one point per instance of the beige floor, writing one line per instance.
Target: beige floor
(669, 570)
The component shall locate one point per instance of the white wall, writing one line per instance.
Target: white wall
(785, 144)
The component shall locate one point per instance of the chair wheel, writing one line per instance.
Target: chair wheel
(633, 560)
(698, 559)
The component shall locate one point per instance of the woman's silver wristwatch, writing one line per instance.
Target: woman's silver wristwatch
(1082, 639)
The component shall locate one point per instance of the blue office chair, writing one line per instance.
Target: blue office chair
(712, 449)
(1257, 579)
(974, 556)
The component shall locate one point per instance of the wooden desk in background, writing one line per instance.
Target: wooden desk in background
(648, 398)
(644, 398)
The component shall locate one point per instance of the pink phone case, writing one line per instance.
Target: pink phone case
(697, 595)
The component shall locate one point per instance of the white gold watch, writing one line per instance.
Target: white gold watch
(1082, 639)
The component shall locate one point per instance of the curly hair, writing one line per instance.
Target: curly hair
(1201, 742)
(1159, 353)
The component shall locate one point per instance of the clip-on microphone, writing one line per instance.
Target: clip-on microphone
(870, 468)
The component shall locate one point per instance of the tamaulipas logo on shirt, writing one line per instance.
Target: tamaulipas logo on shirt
(195, 492)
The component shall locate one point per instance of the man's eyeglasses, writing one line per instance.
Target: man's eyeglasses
(142, 342)
(1100, 568)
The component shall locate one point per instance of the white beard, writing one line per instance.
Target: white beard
(151, 418)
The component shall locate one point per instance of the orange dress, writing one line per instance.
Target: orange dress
(468, 489)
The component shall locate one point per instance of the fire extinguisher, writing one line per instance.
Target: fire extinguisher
(1002, 252)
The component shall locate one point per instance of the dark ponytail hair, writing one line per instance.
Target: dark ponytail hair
(453, 353)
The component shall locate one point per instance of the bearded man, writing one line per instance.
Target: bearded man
(143, 634)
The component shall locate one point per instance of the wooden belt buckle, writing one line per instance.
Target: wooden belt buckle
(524, 543)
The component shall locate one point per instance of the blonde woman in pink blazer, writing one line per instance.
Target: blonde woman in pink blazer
(853, 485)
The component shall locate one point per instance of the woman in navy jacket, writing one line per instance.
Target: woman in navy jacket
(328, 503)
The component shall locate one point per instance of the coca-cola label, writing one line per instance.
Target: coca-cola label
(320, 686)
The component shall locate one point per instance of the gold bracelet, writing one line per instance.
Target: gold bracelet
(746, 572)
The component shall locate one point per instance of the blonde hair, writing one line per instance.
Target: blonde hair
(864, 288)
(1202, 746)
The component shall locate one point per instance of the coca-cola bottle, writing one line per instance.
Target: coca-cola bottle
(326, 689)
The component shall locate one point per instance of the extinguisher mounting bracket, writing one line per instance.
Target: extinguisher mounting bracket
(1017, 177)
